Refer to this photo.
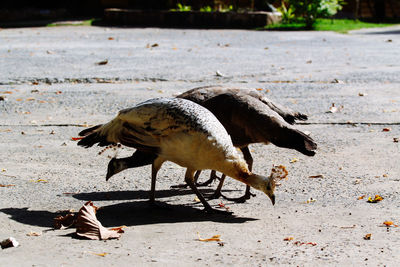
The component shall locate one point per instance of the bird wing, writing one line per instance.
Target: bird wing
(149, 123)
(287, 114)
(248, 120)
(205, 93)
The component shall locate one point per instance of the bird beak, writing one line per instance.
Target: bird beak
(272, 197)
(110, 169)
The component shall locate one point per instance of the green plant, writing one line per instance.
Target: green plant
(206, 9)
(288, 15)
(337, 25)
(310, 10)
(182, 8)
(219, 9)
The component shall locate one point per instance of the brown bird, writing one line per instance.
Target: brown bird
(180, 131)
(249, 117)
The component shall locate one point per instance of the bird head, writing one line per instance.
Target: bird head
(264, 184)
(115, 166)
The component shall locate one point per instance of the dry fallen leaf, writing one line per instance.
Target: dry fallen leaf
(289, 238)
(99, 254)
(39, 180)
(334, 109)
(299, 243)
(104, 62)
(336, 81)
(222, 205)
(348, 227)
(316, 176)
(33, 234)
(6, 185)
(294, 160)
(389, 224)
(66, 221)
(118, 229)
(386, 129)
(218, 74)
(395, 139)
(310, 200)
(213, 238)
(375, 200)
(9, 243)
(367, 237)
(361, 197)
(89, 227)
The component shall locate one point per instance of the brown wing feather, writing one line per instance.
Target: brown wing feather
(248, 121)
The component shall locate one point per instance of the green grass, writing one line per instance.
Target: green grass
(336, 25)
(88, 22)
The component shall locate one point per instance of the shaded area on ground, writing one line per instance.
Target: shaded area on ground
(129, 214)
(138, 194)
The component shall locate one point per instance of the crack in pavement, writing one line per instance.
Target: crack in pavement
(94, 80)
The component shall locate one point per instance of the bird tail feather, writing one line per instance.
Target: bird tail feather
(99, 134)
(89, 130)
(297, 140)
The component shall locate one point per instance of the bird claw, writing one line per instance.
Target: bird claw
(241, 199)
(179, 186)
(206, 183)
(209, 181)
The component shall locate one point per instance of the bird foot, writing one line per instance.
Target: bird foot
(179, 186)
(206, 183)
(241, 199)
(209, 181)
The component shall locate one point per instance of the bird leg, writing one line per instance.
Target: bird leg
(155, 167)
(249, 160)
(189, 179)
(196, 177)
(217, 192)
(248, 194)
(213, 176)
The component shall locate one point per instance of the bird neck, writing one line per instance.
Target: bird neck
(237, 170)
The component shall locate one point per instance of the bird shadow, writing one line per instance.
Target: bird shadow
(142, 213)
(137, 194)
(133, 213)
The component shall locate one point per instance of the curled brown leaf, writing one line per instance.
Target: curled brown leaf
(88, 226)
